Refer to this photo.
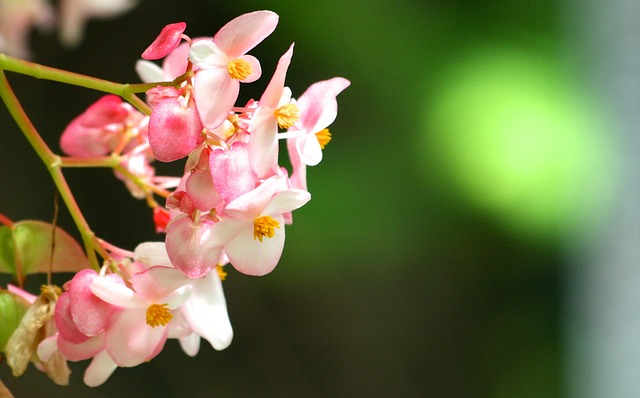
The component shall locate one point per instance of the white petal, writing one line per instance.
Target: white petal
(190, 344)
(148, 71)
(116, 294)
(101, 367)
(206, 311)
(286, 201)
(205, 54)
(152, 253)
(252, 257)
(309, 149)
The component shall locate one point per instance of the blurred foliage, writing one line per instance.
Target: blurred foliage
(428, 262)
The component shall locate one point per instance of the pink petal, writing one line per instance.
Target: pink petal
(215, 93)
(81, 351)
(318, 105)
(231, 171)
(174, 130)
(243, 33)
(167, 41)
(89, 313)
(130, 341)
(156, 283)
(299, 175)
(273, 92)
(252, 257)
(251, 204)
(64, 322)
(263, 143)
(175, 64)
(188, 247)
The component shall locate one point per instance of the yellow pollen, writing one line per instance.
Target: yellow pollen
(264, 226)
(239, 69)
(158, 314)
(221, 272)
(324, 136)
(287, 115)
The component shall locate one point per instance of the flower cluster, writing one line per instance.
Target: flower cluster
(230, 206)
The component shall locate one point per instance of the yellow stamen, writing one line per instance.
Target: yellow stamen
(324, 136)
(158, 314)
(264, 226)
(221, 272)
(287, 115)
(239, 69)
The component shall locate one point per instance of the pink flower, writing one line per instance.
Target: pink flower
(223, 64)
(308, 136)
(253, 234)
(137, 332)
(205, 312)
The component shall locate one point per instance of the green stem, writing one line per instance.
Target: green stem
(53, 164)
(126, 91)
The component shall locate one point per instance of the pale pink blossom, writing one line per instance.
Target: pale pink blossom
(253, 234)
(205, 312)
(138, 330)
(222, 64)
(318, 109)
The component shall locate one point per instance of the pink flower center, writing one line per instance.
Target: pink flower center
(287, 115)
(264, 226)
(158, 314)
(239, 69)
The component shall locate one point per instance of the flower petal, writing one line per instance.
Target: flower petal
(148, 71)
(174, 130)
(130, 341)
(252, 257)
(115, 293)
(286, 201)
(167, 41)
(215, 94)
(156, 283)
(231, 171)
(206, 311)
(99, 370)
(318, 106)
(309, 149)
(243, 33)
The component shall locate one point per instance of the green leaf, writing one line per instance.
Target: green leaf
(25, 248)
(12, 309)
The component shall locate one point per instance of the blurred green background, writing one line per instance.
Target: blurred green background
(468, 155)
